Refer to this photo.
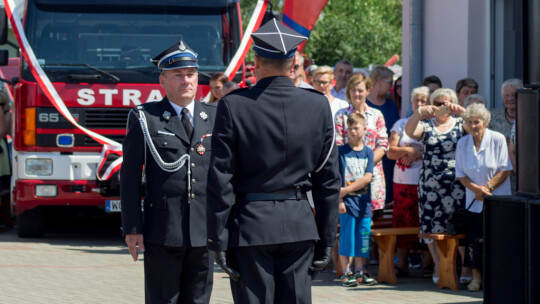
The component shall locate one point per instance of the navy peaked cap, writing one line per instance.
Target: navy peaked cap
(275, 40)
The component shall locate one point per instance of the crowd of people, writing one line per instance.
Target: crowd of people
(440, 158)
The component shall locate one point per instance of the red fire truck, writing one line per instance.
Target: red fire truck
(97, 55)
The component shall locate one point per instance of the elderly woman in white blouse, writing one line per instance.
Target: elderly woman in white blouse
(483, 167)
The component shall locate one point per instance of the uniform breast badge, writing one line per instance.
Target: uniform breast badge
(200, 148)
(204, 116)
(166, 115)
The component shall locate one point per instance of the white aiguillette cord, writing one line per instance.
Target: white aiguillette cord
(168, 167)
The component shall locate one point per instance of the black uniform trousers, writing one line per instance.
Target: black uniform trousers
(272, 274)
(187, 277)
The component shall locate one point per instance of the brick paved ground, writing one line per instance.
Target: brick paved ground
(94, 267)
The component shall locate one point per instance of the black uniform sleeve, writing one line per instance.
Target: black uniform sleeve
(220, 190)
(326, 182)
(133, 148)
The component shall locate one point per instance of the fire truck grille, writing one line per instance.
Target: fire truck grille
(106, 118)
(89, 142)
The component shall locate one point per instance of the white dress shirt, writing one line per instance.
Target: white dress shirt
(190, 107)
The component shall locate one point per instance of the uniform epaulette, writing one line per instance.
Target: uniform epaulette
(313, 90)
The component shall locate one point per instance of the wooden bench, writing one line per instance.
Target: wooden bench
(386, 241)
(447, 246)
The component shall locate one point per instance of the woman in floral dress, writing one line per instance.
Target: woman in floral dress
(375, 136)
(439, 193)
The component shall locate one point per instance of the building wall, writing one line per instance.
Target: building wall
(455, 42)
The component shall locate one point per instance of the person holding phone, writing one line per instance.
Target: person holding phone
(439, 193)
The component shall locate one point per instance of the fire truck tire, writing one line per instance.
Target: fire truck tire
(31, 223)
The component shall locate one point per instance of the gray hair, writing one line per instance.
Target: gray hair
(420, 91)
(380, 72)
(469, 99)
(514, 82)
(231, 85)
(443, 92)
(477, 110)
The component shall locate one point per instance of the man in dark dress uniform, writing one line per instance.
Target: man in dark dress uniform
(270, 145)
(170, 140)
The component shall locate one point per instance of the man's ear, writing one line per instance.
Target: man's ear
(162, 81)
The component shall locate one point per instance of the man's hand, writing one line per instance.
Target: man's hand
(221, 260)
(321, 258)
(132, 240)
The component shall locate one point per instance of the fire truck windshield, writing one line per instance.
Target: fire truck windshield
(122, 40)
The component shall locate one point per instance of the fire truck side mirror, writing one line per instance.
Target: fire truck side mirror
(3, 26)
(4, 57)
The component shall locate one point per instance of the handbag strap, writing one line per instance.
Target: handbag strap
(470, 205)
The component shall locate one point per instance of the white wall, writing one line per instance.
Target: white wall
(456, 42)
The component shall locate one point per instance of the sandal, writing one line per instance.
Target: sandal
(400, 273)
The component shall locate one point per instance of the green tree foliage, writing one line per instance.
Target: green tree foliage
(362, 31)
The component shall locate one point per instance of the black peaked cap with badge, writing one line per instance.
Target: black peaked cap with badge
(275, 40)
(178, 55)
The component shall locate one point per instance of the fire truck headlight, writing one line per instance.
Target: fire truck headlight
(39, 166)
(46, 190)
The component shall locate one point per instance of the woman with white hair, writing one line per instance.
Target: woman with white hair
(483, 167)
(439, 194)
(502, 118)
(407, 153)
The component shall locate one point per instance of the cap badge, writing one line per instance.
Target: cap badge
(182, 47)
(166, 115)
(204, 116)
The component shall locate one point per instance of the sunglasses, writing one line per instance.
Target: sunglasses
(296, 66)
(322, 83)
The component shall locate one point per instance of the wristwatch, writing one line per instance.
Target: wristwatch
(490, 187)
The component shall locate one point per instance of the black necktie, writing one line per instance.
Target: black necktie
(186, 123)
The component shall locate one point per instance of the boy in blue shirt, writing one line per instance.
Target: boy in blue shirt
(356, 168)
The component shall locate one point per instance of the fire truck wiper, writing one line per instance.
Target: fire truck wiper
(111, 76)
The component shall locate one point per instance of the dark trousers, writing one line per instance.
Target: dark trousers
(177, 275)
(475, 239)
(272, 274)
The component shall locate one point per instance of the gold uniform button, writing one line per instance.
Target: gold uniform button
(193, 181)
(192, 149)
(192, 165)
(164, 143)
(192, 195)
(210, 241)
(151, 205)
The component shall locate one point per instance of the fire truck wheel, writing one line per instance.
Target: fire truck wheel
(31, 223)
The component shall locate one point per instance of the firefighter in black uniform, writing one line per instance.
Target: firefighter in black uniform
(270, 145)
(170, 140)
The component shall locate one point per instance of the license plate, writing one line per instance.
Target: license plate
(113, 206)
